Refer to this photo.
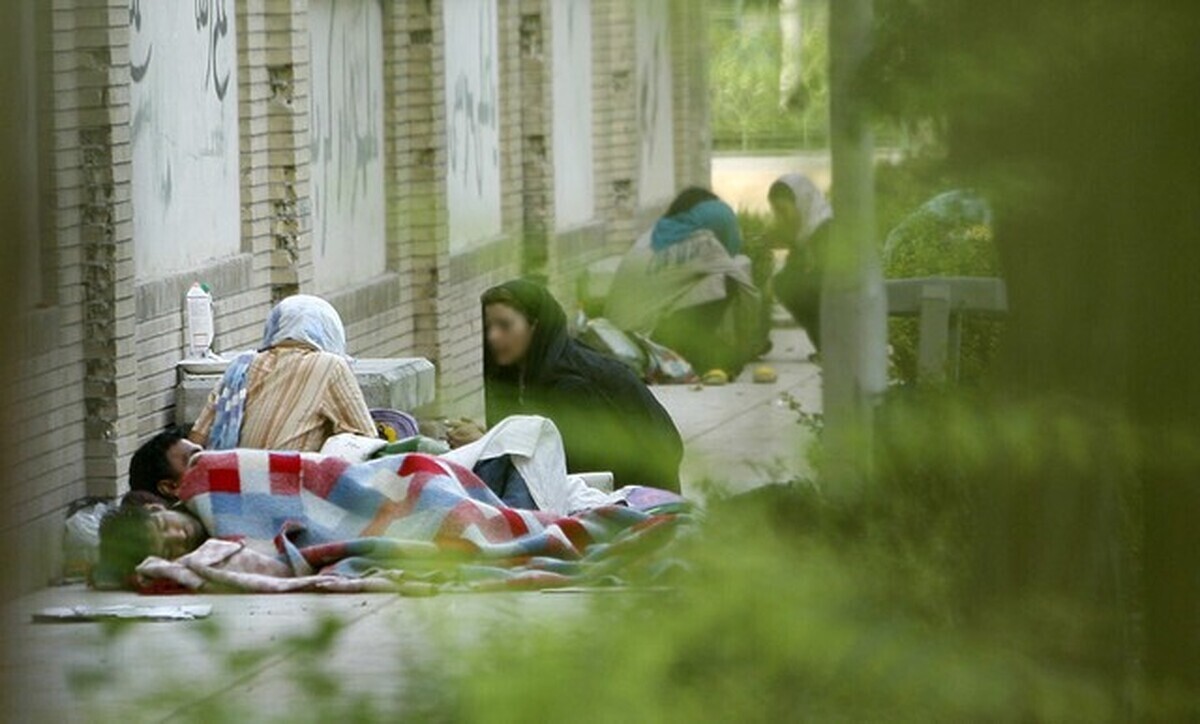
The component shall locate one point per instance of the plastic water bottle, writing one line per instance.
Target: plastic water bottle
(199, 321)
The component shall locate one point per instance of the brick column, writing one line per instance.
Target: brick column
(537, 181)
(416, 161)
(275, 117)
(617, 143)
(100, 119)
(271, 222)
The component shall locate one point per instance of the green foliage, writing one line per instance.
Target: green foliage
(798, 609)
(914, 603)
(744, 78)
(1076, 120)
(755, 226)
(902, 186)
(930, 246)
(936, 253)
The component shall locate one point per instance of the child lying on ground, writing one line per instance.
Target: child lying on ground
(397, 514)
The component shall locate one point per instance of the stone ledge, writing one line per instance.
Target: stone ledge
(406, 383)
(164, 295)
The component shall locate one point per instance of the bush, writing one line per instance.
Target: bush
(798, 607)
(936, 241)
(902, 186)
(755, 227)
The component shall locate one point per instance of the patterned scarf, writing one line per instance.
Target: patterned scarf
(301, 318)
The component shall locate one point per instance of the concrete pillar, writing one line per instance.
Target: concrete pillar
(853, 307)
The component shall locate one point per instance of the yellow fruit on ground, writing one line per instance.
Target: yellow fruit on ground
(765, 375)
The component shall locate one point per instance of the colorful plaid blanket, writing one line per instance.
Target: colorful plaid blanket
(407, 519)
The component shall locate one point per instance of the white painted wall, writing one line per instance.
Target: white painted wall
(186, 201)
(574, 173)
(472, 122)
(347, 138)
(656, 179)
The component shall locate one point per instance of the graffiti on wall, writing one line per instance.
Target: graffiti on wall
(346, 141)
(184, 129)
(137, 69)
(472, 122)
(656, 180)
(213, 21)
(574, 186)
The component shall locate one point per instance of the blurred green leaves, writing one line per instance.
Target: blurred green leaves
(744, 77)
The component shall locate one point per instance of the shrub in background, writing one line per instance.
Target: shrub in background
(948, 235)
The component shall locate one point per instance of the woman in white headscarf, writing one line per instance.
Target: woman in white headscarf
(295, 392)
(802, 218)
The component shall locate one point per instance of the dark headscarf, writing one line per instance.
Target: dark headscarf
(590, 397)
(693, 210)
(688, 199)
(550, 344)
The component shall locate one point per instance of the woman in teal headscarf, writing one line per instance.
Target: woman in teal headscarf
(697, 209)
(687, 286)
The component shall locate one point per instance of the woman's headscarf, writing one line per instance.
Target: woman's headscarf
(302, 319)
(812, 208)
(693, 210)
(618, 426)
(550, 341)
(308, 320)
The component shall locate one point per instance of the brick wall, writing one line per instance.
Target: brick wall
(97, 372)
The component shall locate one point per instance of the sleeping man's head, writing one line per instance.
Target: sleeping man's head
(132, 533)
(158, 466)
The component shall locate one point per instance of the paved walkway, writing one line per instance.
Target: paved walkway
(739, 435)
(743, 435)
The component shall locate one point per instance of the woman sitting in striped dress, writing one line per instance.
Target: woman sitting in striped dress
(295, 392)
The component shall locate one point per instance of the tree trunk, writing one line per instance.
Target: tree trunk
(791, 77)
(853, 307)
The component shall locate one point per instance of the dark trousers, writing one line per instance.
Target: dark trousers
(502, 477)
(798, 289)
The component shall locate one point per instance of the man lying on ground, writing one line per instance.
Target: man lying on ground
(158, 465)
(290, 514)
(521, 459)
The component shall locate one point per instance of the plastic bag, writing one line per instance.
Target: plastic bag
(604, 337)
(664, 365)
(81, 536)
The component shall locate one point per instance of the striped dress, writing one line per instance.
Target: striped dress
(296, 398)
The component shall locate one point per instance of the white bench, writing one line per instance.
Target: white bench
(940, 303)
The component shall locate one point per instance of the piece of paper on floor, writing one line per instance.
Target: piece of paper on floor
(83, 613)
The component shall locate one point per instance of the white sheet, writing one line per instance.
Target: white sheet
(536, 448)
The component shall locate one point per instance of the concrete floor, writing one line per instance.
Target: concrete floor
(738, 436)
(744, 435)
